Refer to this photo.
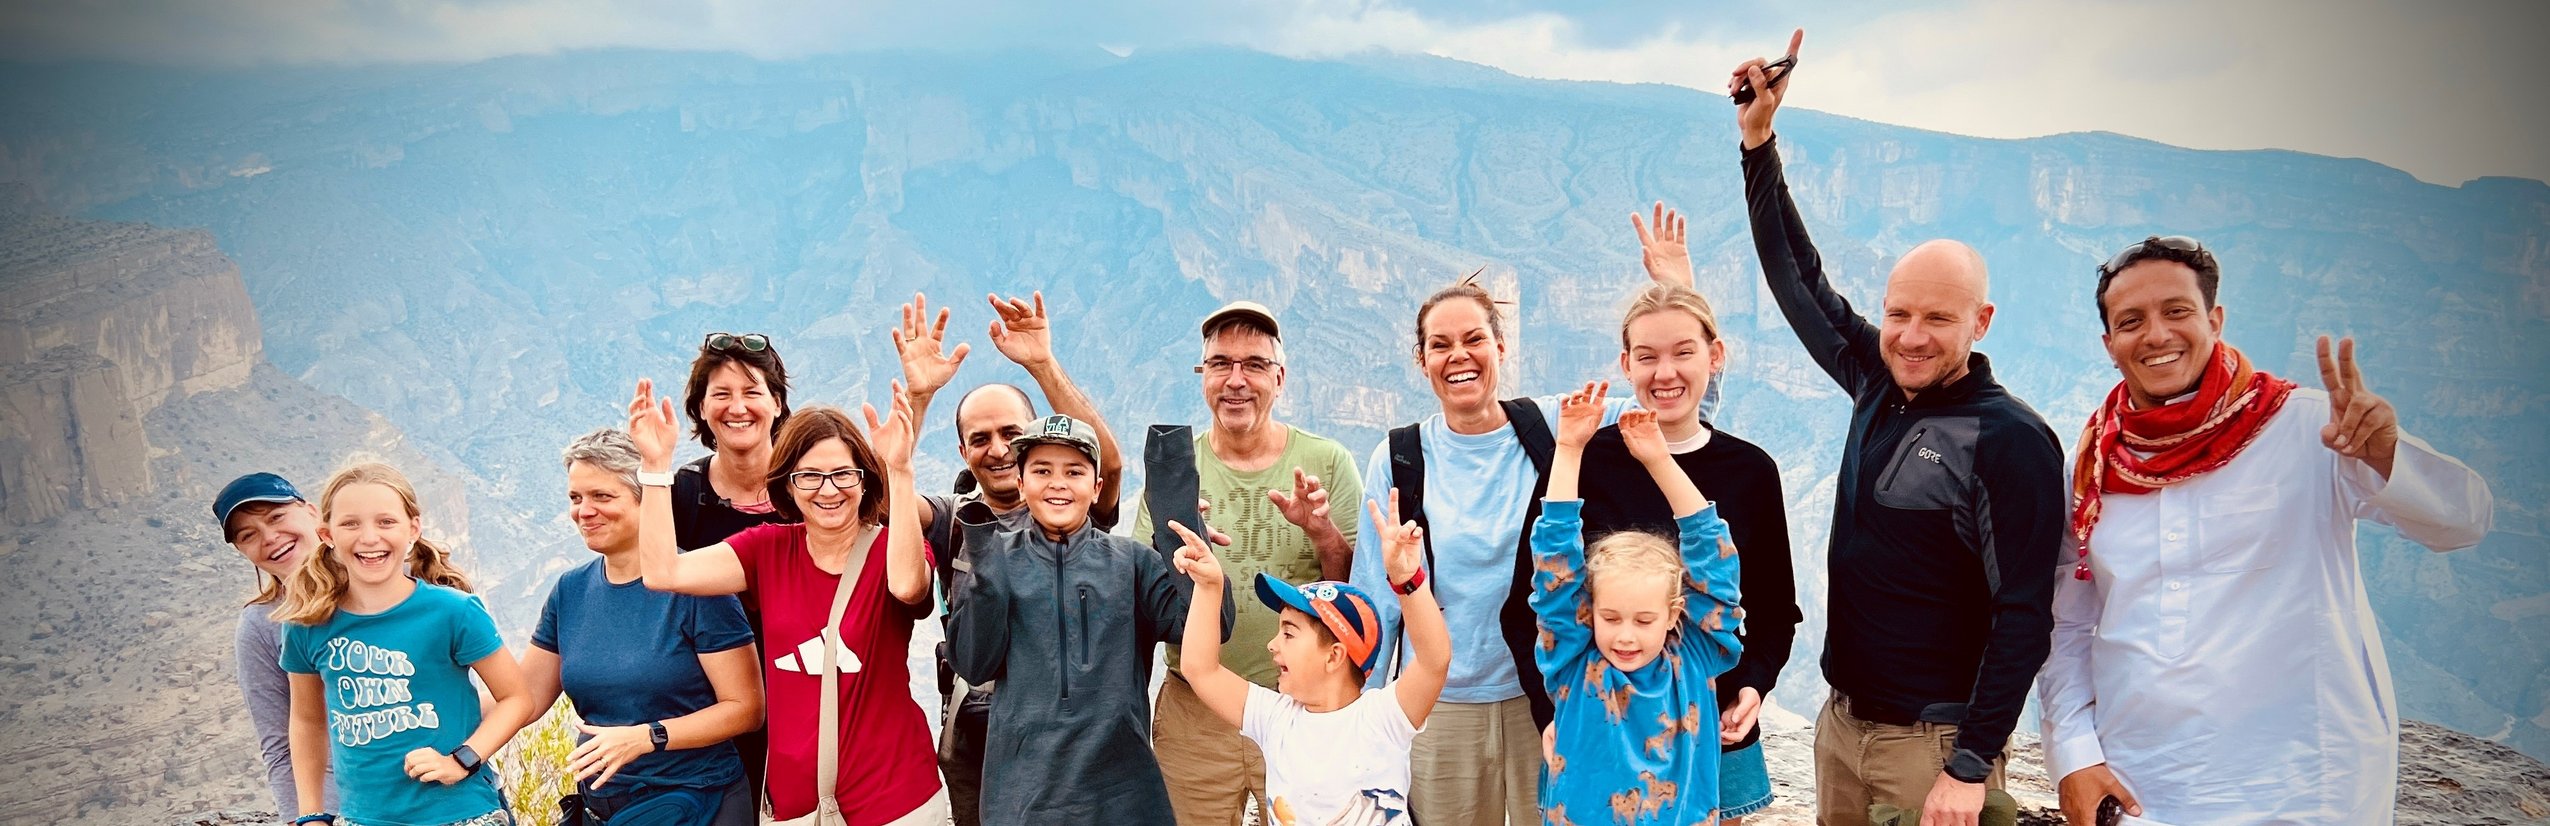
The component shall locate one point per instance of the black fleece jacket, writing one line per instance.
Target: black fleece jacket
(1947, 517)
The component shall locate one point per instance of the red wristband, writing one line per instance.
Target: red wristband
(1413, 583)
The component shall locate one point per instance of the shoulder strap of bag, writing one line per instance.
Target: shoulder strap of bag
(828, 740)
(1531, 428)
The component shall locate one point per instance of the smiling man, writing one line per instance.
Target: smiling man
(1946, 517)
(1270, 484)
(2215, 659)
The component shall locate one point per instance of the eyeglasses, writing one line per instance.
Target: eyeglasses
(2180, 243)
(812, 480)
(754, 342)
(1254, 366)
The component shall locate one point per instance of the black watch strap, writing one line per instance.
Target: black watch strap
(655, 732)
(468, 758)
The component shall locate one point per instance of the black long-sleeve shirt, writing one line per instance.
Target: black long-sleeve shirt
(1947, 517)
(1744, 482)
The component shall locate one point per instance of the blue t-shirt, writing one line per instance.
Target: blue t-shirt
(630, 656)
(1477, 490)
(1634, 747)
(398, 681)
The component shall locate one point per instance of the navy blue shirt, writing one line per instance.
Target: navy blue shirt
(629, 656)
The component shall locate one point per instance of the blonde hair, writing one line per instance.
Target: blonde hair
(1639, 554)
(319, 584)
(1659, 298)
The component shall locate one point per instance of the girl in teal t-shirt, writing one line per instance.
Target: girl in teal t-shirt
(380, 636)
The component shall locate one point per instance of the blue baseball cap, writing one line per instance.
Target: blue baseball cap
(254, 487)
(1345, 609)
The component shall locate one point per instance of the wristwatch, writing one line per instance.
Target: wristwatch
(655, 478)
(468, 757)
(655, 731)
(1413, 583)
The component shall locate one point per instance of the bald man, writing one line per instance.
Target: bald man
(1947, 515)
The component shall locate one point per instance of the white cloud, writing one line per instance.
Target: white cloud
(2443, 89)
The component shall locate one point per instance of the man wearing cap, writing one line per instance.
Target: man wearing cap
(264, 518)
(2215, 658)
(988, 417)
(1064, 615)
(1270, 485)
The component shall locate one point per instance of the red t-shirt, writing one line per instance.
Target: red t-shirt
(888, 764)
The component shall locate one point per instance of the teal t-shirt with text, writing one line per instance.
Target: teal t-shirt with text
(398, 681)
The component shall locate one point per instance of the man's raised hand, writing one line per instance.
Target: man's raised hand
(2362, 425)
(1306, 506)
(1754, 119)
(1023, 332)
(921, 345)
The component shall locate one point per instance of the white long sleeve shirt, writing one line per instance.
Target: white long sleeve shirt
(2223, 660)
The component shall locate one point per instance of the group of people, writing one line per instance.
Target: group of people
(1567, 609)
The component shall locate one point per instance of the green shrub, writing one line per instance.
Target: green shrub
(533, 768)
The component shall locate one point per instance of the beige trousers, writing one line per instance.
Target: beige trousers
(1859, 763)
(1477, 764)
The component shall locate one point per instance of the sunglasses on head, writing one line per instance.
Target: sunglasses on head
(754, 342)
(2179, 243)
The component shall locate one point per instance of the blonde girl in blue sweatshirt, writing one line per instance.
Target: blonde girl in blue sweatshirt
(1634, 632)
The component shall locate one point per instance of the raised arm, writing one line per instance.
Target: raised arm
(1365, 569)
(907, 572)
(1579, 414)
(1666, 249)
(1200, 648)
(1711, 598)
(710, 571)
(1839, 339)
(1024, 333)
(921, 345)
(1558, 587)
(1429, 639)
(1646, 442)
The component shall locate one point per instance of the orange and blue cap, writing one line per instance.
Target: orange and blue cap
(1345, 609)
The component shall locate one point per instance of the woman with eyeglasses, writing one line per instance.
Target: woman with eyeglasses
(837, 588)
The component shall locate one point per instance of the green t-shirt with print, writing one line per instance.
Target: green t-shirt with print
(1261, 539)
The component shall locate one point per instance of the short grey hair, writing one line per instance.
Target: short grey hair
(1243, 325)
(610, 449)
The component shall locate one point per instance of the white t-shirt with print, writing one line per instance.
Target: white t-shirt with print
(1319, 763)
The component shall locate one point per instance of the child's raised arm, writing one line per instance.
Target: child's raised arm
(1646, 443)
(1579, 415)
(1200, 649)
(1430, 640)
(1558, 586)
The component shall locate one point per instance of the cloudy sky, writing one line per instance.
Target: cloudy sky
(2445, 89)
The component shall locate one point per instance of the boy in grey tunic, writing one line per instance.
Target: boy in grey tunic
(1065, 616)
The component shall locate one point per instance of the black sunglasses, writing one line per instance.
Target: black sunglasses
(754, 342)
(2180, 243)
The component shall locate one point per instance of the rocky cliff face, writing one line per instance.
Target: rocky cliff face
(134, 388)
(103, 323)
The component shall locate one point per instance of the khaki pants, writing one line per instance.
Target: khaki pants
(1477, 764)
(1211, 770)
(1859, 763)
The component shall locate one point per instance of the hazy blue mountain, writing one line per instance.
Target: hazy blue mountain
(490, 254)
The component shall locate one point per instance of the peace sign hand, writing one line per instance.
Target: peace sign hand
(1666, 251)
(2362, 425)
(651, 428)
(1402, 542)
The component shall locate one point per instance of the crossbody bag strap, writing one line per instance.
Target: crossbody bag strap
(828, 736)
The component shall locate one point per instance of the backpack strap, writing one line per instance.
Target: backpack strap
(1515, 619)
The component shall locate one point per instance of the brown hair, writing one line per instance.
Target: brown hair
(1466, 289)
(319, 584)
(774, 375)
(1658, 298)
(799, 436)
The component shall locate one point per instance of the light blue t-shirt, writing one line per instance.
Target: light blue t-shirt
(398, 681)
(1477, 490)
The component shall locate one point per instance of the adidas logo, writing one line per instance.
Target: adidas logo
(808, 659)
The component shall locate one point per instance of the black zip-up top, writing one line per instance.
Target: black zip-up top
(1948, 515)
